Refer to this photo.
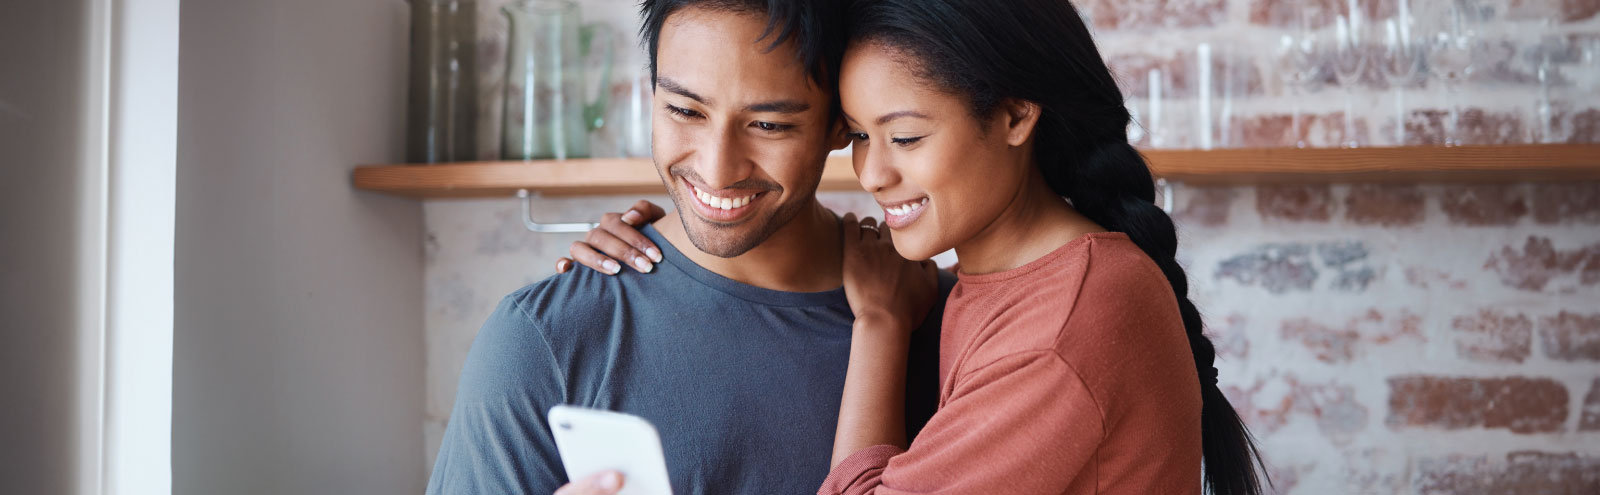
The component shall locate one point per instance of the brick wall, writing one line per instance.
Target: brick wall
(1407, 338)
(1397, 338)
(1394, 338)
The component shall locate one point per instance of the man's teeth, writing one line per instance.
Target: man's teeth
(907, 208)
(723, 203)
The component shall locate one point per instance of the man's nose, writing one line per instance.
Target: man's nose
(724, 161)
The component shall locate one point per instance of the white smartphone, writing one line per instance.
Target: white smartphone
(592, 440)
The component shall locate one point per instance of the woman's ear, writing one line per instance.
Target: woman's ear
(1021, 117)
(839, 134)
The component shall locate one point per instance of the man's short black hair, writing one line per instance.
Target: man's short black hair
(816, 26)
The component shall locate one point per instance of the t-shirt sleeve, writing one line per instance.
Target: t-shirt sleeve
(1024, 423)
(497, 440)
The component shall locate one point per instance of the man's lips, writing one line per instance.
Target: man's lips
(722, 205)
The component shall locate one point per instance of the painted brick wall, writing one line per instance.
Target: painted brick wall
(1378, 338)
(1407, 338)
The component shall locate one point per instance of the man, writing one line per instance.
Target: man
(735, 347)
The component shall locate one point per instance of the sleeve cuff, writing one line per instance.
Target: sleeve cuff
(859, 473)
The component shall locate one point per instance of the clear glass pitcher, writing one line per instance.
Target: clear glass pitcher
(547, 114)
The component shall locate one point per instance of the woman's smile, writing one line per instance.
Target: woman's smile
(900, 214)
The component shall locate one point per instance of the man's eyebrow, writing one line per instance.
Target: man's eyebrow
(780, 106)
(673, 87)
(886, 118)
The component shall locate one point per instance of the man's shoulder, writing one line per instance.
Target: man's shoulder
(568, 295)
(931, 324)
(542, 322)
(947, 281)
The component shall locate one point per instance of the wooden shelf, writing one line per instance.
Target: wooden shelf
(1512, 163)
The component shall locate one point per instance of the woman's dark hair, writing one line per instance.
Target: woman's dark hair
(814, 25)
(1040, 51)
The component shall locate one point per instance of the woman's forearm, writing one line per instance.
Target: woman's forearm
(872, 409)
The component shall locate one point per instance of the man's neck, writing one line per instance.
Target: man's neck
(802, 256)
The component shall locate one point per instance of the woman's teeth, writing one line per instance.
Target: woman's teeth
(723, 203)
(906, 209)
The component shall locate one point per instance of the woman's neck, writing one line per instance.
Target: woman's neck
(1036, 222)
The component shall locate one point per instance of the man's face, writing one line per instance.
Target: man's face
(740, 132)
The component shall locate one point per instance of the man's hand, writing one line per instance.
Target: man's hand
(601, 483)
(617, 238)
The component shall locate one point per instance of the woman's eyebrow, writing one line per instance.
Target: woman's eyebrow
(889, 117)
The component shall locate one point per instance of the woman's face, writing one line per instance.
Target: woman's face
(941, 174)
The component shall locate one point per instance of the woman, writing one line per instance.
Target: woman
(1072, 359)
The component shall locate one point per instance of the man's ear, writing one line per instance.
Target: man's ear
(839, 134)
(1021, 117)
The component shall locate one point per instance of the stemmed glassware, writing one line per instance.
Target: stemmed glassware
(1400, 57)
(1567, 68)
(1451, 57)
(1300, 59)
(1350, 57)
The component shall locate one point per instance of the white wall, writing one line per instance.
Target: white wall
(299, 324)
(42, 61)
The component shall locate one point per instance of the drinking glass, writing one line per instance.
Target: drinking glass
(1450, 57)
(1237, 79)
(1303, 58)
(1400, 57)
(1350, 58)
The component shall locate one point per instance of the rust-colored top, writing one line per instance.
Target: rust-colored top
(1071, 374)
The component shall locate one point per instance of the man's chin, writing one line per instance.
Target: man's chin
(732, 239)
(722, 241)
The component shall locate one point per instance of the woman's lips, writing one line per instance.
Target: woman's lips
(899, 215)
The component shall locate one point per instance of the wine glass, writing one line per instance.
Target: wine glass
(1350, 57)
(1286, 62)
(1544, 60)
(1299, 60)
(1569, 76)
(1451, 59)
(1400, 57)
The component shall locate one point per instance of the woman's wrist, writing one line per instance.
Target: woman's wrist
(882, 322)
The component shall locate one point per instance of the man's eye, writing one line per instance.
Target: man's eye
(683, 112)
(859, 137)
(771, 127)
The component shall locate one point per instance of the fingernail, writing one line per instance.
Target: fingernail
(610, 481)
(654, 254)
(611, 266)
(630, 217)
(561, 266)
(642, 264)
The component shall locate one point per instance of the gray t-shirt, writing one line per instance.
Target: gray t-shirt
(742, 383)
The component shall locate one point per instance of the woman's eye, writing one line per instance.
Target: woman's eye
(683, 112)
(906, 141)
